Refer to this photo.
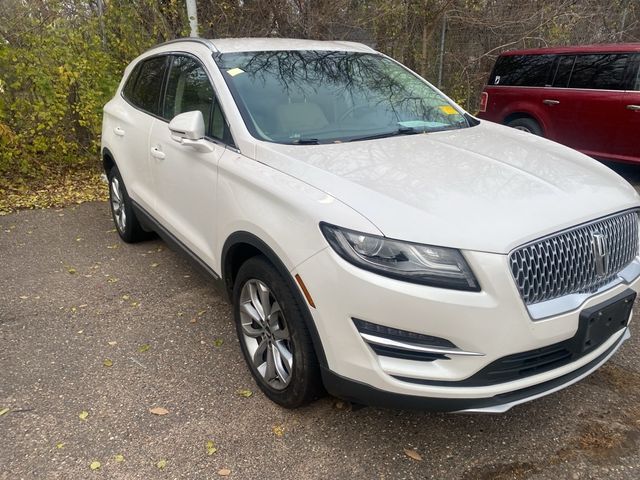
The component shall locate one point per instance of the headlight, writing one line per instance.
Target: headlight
(411, 262)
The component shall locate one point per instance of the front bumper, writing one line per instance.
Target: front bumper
(493, 322)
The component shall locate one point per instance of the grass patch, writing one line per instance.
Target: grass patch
(52, 189)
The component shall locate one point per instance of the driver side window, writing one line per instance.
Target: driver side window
(189, 89)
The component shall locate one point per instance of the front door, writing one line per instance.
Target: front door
(186, 179)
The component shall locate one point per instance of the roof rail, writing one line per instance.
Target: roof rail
(201, 41)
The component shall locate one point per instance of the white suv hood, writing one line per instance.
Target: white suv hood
(487, 188)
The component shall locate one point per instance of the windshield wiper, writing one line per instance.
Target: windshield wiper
(305, 141)
(393, 133)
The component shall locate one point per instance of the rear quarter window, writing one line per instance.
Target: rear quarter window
(145, 93)
(522, 70)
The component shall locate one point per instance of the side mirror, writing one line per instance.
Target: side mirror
(187, 126)
(188, 129)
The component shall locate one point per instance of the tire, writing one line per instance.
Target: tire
(279, 355)
(526, 124)
(124, 218)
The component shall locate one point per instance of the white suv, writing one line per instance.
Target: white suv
(373, 237)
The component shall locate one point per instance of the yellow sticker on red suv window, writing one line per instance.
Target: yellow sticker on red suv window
(235, 71)
(448, 109)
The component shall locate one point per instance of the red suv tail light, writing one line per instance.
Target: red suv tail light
(484, 99)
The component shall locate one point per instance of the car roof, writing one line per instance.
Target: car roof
(604, 48)
(258, 44)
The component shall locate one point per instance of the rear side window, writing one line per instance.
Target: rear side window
(637, 86)
(127, 91)
(145, 94)
(601, 72)
(522, 70)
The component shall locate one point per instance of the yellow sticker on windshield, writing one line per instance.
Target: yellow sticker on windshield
(235, 71)
(448, 109)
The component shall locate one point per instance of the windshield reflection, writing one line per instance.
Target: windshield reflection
(307, 97)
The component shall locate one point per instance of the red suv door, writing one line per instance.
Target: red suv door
(628, 109)
(584, 102)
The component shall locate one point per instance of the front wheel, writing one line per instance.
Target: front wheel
(273, 336)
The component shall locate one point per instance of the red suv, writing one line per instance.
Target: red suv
(587, 98)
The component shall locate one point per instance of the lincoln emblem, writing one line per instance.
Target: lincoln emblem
(600, 253)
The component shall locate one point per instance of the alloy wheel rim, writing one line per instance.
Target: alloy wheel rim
(265, 334)
(117, 205)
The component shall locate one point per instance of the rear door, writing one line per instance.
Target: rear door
(627, 145)
(130, 127)
(583, 103)
(186, 179)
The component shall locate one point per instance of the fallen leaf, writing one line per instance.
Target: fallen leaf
(125, 297)
(23, 297)
(154, 265)
(107, 362)
(161, 464)
(159, 411)
(95, 465)
(201, 312)
(59, 445)
(83, 415)
(143, 348)
(224, 472)
(180, 314)
(112, 280)
(71, 270)
(193, 320)
(243, 392)
(112, 343)
(211, 448)
(278, 430)
(134, 304)
(3, 411)
(119, 458)
(412, 454)
(218, 342)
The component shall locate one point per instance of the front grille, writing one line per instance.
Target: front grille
(565, 263)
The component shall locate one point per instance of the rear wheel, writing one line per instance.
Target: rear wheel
(526, 124)
(273, 336)
(122, 212)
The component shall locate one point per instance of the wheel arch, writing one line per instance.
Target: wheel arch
(108, 161)
(242, 245)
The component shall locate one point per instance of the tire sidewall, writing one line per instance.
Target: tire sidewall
(128, 233)
(299, 390)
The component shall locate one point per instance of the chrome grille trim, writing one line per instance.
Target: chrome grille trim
(564, 263)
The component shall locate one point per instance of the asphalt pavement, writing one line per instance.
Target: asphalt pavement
(95, 333)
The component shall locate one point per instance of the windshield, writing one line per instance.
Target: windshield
(306, 97)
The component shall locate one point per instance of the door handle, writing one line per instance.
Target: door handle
(635, 108)
(157, 153)
(550, 102)
(118, 131)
